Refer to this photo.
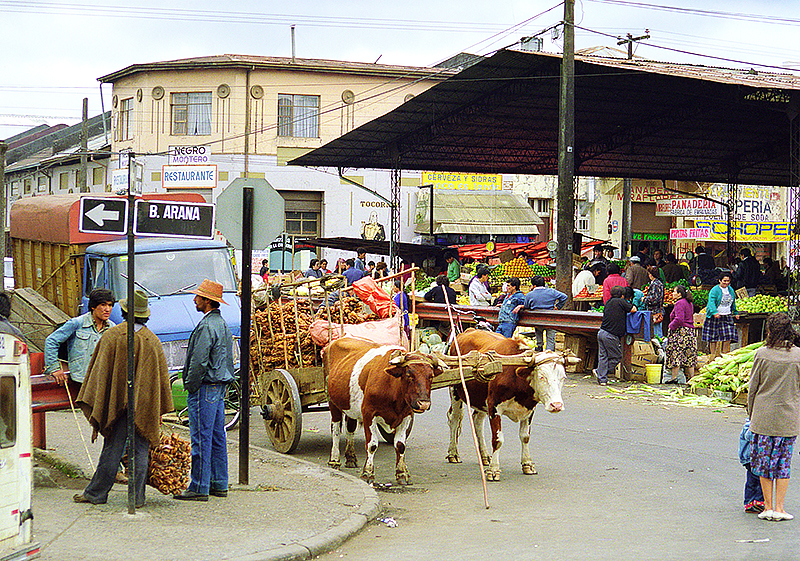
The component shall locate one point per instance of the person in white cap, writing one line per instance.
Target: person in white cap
(206, 374)
(635, 274)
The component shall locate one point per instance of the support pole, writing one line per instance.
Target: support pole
(626, 249)
(4, 201)
(566, 155)
(244, 367)
(130, 321)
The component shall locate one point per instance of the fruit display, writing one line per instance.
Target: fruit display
(422, 281)
(462, 300)
(729, 372)
(762, 304)
(517, 267)
(584, 293)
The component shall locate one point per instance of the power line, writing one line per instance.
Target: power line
(707, 13)
(245, 17)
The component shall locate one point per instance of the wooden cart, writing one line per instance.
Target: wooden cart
(285, 393)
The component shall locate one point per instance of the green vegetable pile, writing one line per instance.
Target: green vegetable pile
(729, 372)
(700, 297)
(762, 304)
(422, 281)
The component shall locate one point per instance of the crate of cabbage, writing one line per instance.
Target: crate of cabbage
(727, 376)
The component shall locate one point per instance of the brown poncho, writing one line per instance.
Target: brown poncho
(104, 394)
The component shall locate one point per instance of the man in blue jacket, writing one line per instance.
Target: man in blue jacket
(206, 374)
(543, 297)
(509, 310)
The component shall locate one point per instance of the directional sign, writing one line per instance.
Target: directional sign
(174, 219)
(103, 216)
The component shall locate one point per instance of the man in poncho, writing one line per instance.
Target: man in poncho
(104, 399)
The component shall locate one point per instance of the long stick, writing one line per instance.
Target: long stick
(466, 397)
(283, 329)
(297, 328)
(75, 415)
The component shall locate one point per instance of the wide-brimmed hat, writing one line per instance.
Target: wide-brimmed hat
(140, 307)
(634, 259)
(211, 290)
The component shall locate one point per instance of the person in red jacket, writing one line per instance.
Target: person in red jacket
(613, 279)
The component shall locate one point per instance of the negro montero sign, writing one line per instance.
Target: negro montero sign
(174, 219)
(188, 155)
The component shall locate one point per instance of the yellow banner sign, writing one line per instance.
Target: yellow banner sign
(746, 231)
(463, 181)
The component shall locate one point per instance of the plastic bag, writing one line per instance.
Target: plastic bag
(374, 297)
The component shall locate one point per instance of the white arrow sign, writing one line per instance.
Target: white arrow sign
(99, 214)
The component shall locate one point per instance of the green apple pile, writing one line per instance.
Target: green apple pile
(762, 304)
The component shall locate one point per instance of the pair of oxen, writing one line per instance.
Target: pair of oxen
(383, 386)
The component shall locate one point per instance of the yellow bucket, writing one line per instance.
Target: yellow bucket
(653, 373)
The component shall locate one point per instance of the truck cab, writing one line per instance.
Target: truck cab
(16, 467)
(166, 269)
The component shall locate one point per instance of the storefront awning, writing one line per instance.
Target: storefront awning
(476, 213)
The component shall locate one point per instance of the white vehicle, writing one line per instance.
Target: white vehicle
(16, 463)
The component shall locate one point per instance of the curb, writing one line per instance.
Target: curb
(330, 539)
(301, 550)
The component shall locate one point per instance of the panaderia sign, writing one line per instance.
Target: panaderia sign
(746, 231)
(687, 207)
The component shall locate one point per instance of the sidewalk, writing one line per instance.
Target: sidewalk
(292, 509)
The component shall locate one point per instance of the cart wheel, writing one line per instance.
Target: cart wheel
(282, 411)
(388, 437)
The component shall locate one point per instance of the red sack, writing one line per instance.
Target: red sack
(374, 297)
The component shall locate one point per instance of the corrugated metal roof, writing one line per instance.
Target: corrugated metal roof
(481, 213)
(638, 119)
(281, 63)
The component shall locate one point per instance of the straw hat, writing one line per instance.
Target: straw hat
(140, 307)
(211, 290)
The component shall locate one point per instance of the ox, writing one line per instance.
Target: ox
(375, 384)
(514, 392)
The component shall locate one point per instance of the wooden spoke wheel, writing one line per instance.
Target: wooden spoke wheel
(282, 411)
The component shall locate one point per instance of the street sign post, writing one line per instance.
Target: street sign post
(103, 216)
(268, 211)
(174, 219)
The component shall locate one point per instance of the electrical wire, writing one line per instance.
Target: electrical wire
(708, 13)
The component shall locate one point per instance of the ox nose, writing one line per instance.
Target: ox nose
(555, 407)
(423, 406)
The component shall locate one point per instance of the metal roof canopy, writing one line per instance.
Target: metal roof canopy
(407, 251)
(644, 120)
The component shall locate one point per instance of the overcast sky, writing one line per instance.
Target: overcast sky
(53, 52)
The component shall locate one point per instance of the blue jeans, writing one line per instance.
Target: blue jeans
(207, 433)
(752, 487)
(506, 329)
(658, 329)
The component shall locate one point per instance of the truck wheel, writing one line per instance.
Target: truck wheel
(282, 410)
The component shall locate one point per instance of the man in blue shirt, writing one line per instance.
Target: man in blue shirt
(360, 261)
(351, 273)
(313, 270)
(510, 308)
(544, 298)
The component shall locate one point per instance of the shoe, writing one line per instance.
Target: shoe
(219, 492)
(121, 478)
(754, 507)
(766, 515)
(781, 515)
(602, 382)
(80, 498)
(190, 496)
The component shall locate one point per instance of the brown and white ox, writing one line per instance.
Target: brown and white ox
(514, 392)
(375, 385)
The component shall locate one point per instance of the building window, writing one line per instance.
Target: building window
(41, 184)
(191, 114)
(582, 224)
(98, 176)
(298, 116)
(63, 181)
(541, 206)
(28, 182)
(124, 120)
(302, 223)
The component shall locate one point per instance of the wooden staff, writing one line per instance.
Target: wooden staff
(283, 330)
(297, 328)
(412, 319)
(466, 396)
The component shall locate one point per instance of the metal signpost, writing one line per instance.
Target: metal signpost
(236, 206)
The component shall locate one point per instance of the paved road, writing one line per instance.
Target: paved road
(618, 479)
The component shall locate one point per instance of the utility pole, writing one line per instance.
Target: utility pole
(566, 156)
(82, 176)
(631, 40)
(3, 199)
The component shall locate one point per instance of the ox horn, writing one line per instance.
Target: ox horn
(398, 357)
